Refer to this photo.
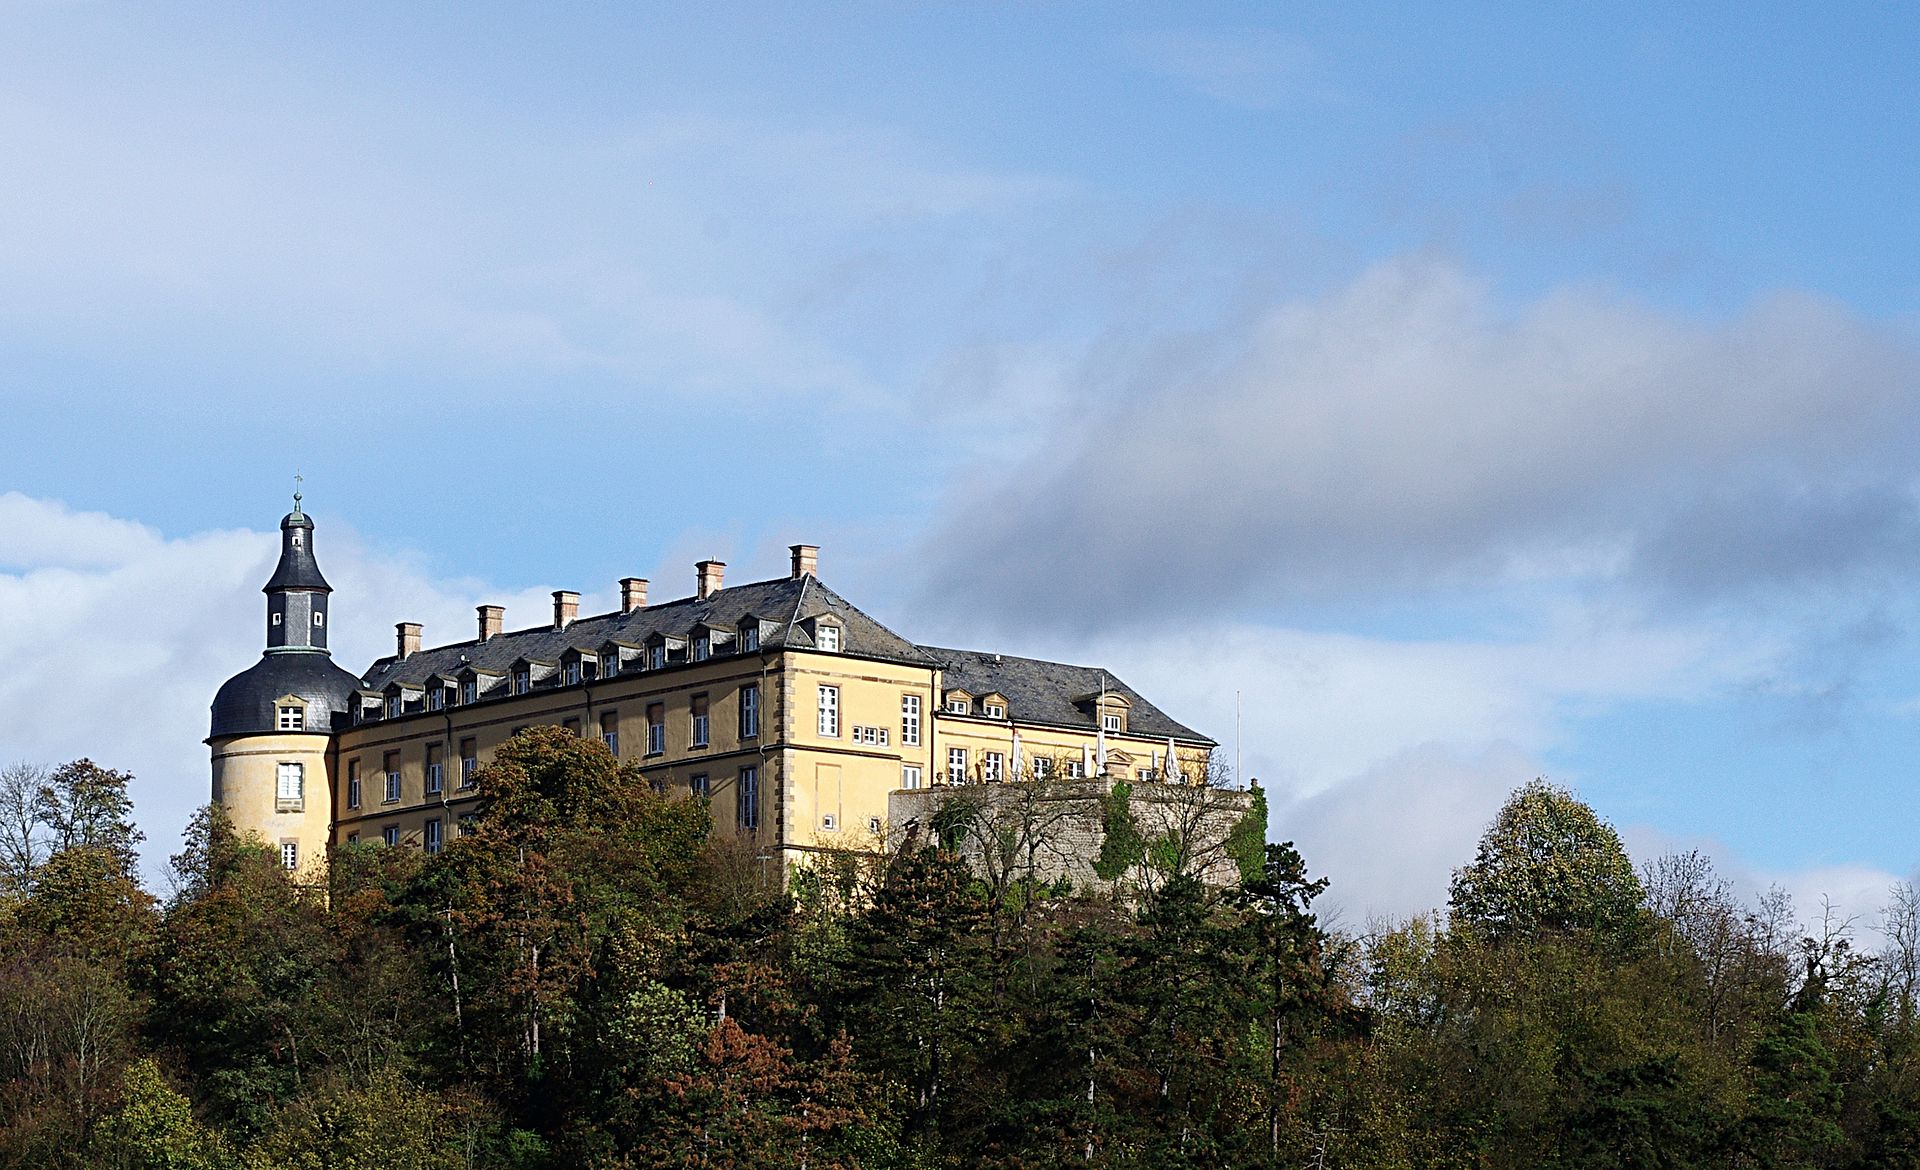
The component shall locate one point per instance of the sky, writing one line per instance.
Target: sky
(1416, 401)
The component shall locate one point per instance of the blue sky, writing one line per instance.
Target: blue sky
(1480, 393)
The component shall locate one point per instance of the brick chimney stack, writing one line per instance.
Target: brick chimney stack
(566, 607)
(493, 619)
(633, 594)
(407, 638)
(806, 560)
(707, 578)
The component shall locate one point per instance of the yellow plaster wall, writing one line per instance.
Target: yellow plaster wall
(246, 781)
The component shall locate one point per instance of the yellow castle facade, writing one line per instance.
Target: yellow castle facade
(792, 712)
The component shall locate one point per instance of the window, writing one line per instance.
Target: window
(395, 704)
(830, 822)
(610, 664)
(432, 836)
(750, 638)
(291, 794)
(995, 711)
(909, 775)
(699, 785)
(469, 762)
(959, 707)
(390, 764)
(827, 637)
(522, 681)
(990, 765)
(610, 731)
(702, 648)
(747, 799)
(390, 835)
(573, 672)
(1111, 723)
(290, 854)
(466, 824)
(909, 720)
(469, 691)
(1042, 767)
(319, 619)
(1076, 769)
(353, 838)
(830, 711)
(276, 620)
(435, 781)
(293, 718)
(956, 765)
(353, 783)
(700, 725)
(657, 657)
(656, 728)
(873, 825)
(877, 736)
(436, 698)
(750, 711)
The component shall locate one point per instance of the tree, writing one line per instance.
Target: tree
(1547, 863)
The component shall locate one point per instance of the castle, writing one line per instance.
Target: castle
(793, 712)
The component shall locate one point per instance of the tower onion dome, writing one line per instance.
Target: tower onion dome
(296, 663)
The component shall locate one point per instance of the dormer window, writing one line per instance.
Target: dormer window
(750, 638)
(958, 706)
(394, 706)
(573, 672)
(657, 657)
(293, 717)
(609, 664)
(1110, 723)
(827, 637)
(994, 710)
(436, 699)
(469, 691)
(702, 647)
(522, 681)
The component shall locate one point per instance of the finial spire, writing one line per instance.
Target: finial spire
(298, 479)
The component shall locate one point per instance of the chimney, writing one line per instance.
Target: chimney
(707, 583)
(493, 619)
(408, 640)
(566, 607)
(633, 594)
(806, 560)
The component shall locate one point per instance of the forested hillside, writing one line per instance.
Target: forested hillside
(589, 980)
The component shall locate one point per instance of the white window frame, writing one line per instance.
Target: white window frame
(290, 786)
(657, 733)
(390, 835)
(701, 722)
(827, 637)
(610, 664)
(750, 711)
(909, 720)
(290, 855)
(353, 783)
(702, 648)
(293, 717)
(956, 765)
(750, 638)
(959, 707)
(1111, 723)
(393, 788)
(573, 672)
(1042, 767)
(828, 713)
(469, 692)
(657, 657)
(910, 776)
(746, 800)
(994, 711)
(432, 836)
(992, 765)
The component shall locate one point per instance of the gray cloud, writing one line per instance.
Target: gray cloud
(1405, 433)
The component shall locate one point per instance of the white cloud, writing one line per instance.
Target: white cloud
(1406, 432)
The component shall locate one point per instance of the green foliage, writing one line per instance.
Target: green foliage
(1547, 863)
(1122, 846)
(1247, 840)
(589, 981)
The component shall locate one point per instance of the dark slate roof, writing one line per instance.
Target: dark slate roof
(1048, 692)
(297, 568)
(244, 705)
(782, 605)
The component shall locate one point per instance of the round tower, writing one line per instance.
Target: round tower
(273, 722)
